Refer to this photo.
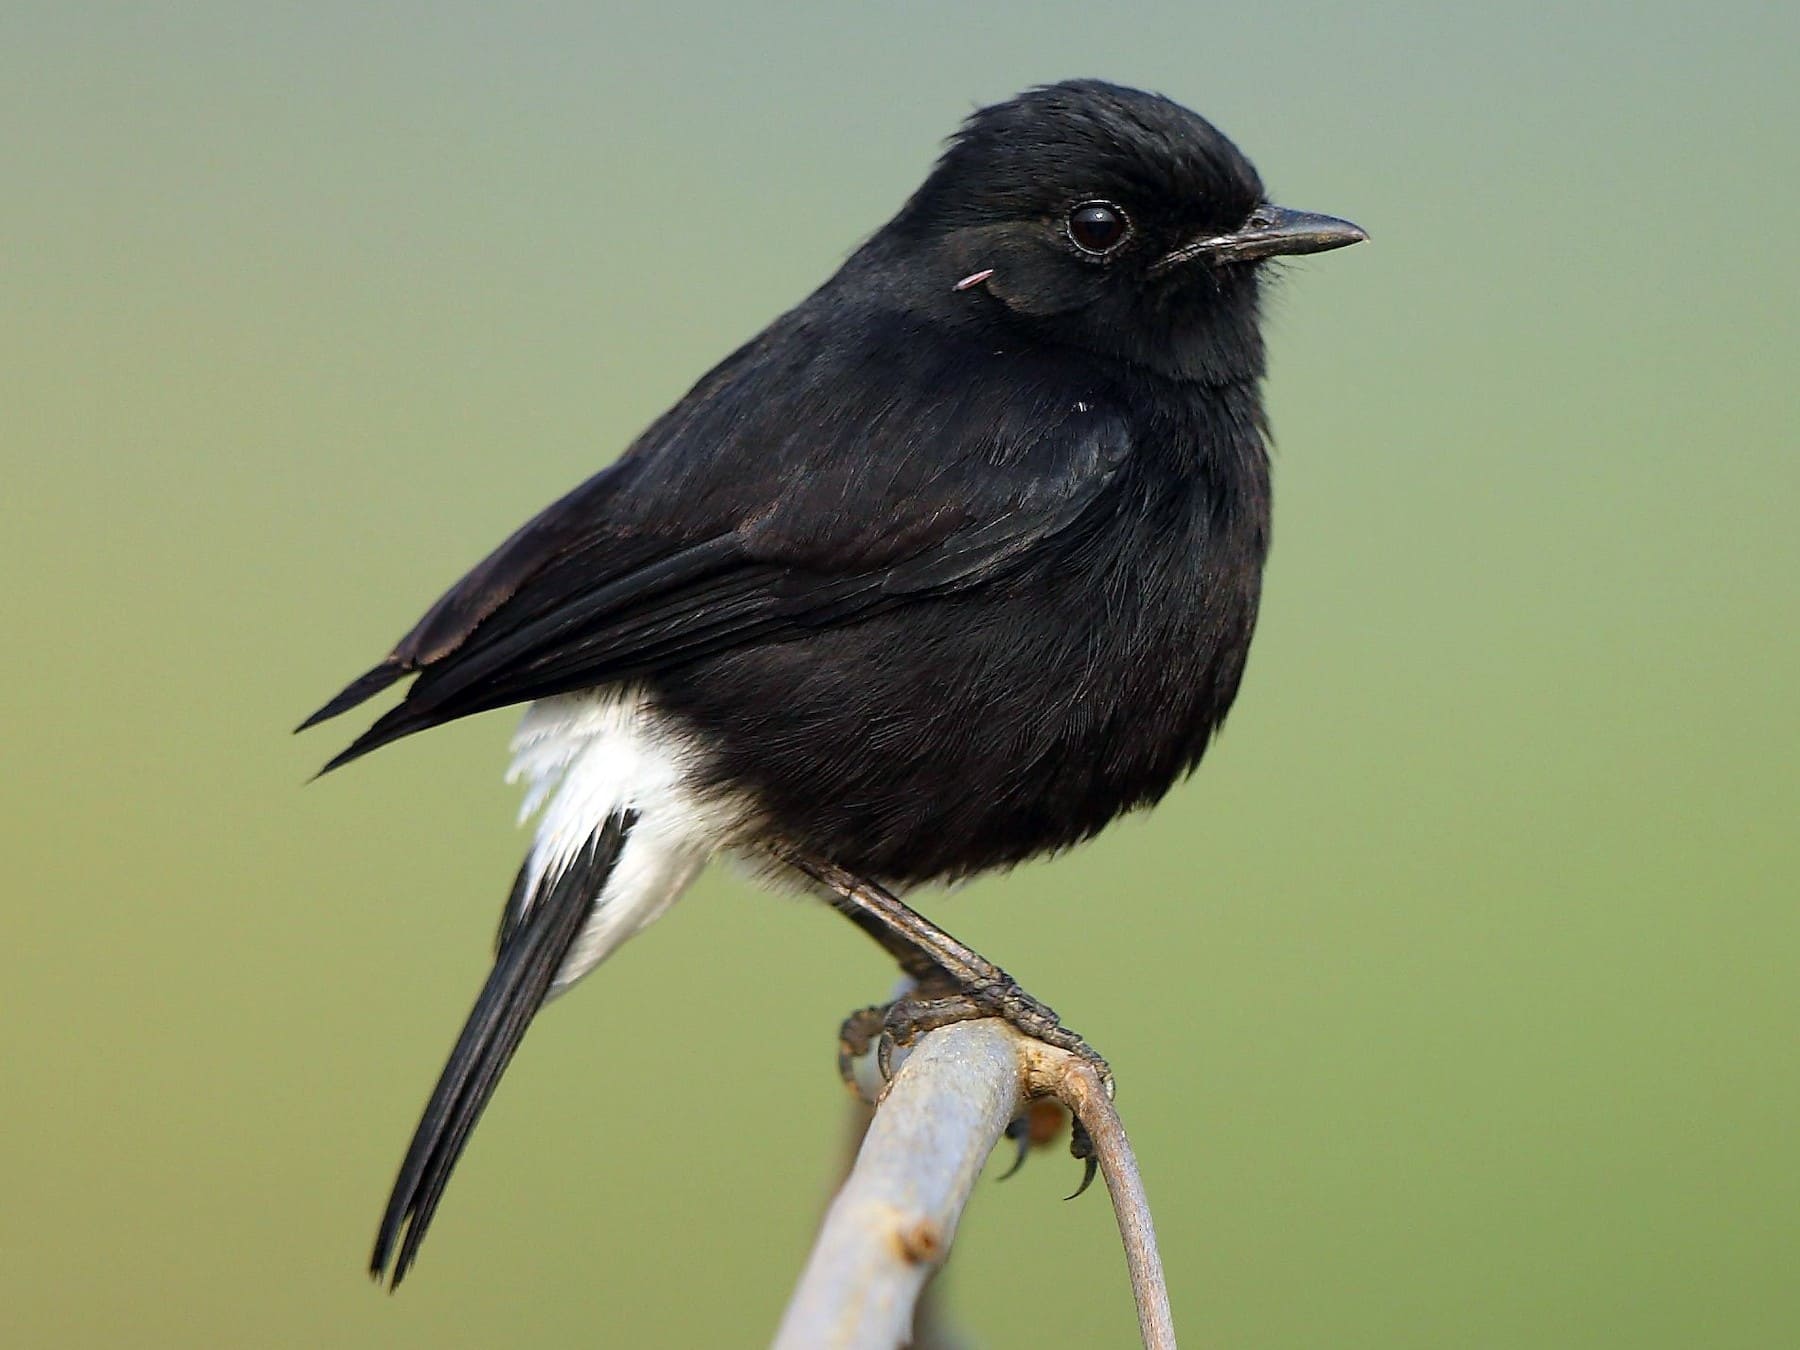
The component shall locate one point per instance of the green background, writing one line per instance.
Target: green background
(1454, 1002)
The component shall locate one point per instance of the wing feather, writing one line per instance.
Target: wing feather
(735, 521)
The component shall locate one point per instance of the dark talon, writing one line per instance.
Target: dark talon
(1081, 1145)
(884, 1057)
(856, 1037)
(1092, 1165)
(1020, 1133)
(936, 1001)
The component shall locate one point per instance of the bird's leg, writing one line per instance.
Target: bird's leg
(953, 982)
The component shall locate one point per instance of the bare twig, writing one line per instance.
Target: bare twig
(933, 1326)
(1077, 1086)
(892, 1223)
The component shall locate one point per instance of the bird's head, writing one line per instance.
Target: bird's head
(1111, 219)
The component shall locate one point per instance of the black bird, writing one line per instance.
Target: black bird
(949, 566)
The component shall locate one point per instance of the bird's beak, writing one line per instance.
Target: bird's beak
(1270, 232)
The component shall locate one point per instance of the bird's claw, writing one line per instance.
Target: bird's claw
(861, 1032)
(1081, 1148)
(895, 1026)
(1037, 1126)
(899, 1024)
(908, 1018)
(1019, 1131)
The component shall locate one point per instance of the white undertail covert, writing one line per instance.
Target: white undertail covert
(586, 757)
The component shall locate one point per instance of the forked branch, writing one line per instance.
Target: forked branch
(892, 1222)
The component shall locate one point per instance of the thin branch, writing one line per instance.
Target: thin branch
(1077, 1086)
(892, 1222)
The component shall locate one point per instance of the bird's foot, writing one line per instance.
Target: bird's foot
(932, 1005)
(899, 1024)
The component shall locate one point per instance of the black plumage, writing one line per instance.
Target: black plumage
(960, 558)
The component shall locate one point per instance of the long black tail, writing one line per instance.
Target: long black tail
(531, 951)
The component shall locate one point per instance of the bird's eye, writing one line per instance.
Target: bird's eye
(1098, 227)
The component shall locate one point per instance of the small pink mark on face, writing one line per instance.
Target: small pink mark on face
(973, 279)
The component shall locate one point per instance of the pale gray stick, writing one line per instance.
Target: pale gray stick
(892, 1222)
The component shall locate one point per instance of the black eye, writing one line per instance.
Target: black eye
(1098, 227)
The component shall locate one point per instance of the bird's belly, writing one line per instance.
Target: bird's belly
(956, 735)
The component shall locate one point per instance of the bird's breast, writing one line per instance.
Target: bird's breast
(964, 732)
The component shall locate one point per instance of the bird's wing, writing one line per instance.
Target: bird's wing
(797, 486)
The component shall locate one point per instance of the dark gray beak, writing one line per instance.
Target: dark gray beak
(1270, 232)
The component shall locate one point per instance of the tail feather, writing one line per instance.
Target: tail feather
(532, 949)
(360, 690)
(396, 722)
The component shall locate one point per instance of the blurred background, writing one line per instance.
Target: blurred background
(1453, 1002)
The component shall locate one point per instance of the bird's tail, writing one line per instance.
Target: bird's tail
(546, 914)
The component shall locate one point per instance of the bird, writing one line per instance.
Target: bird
(951, 565)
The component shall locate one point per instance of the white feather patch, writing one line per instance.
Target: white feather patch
(585, 757)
